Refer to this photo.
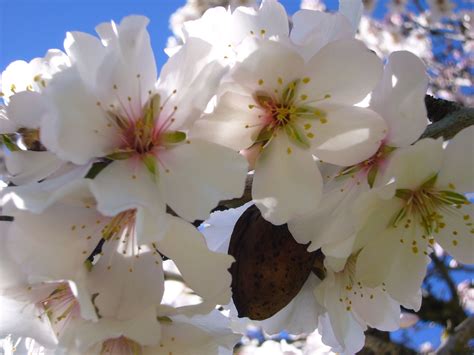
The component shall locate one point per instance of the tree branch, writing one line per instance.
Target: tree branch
(451, 124)
(447, 314)
(457, 343)
(378, 342)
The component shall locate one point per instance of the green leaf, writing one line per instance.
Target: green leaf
(454, 197)
(386, 149)
(121, 154)
(404, 194)
(164, 319)
(150, 162)
(264, 135)
(372, 175)
(88, 265)
(399, 216)
(290, 91)
(8, 142)
(349, 170)
(430, 182)
(97, 168)
(173, 137)
(295, 134)
(153, 107)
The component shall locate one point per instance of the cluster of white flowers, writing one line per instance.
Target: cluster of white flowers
(110, 164)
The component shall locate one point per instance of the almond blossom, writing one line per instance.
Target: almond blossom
(399, 99)
(26, 158)
(426, 205)
(293, 110)
(108, 105)
(108, 247)
(351, 307)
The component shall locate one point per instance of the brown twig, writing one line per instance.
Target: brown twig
(457, 343)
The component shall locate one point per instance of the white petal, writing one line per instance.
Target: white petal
(198, 175)
(330, 73)
(269, 61)
(126, 184)
(380, 245)
(404, 164)
(199, 335)
(271, 18)
(287, 182)
(129, 64)
(22, 319)
(352, 9)
(350, 134)
(204, 271)
(456, 237)
(126, 284)
(400, 98)
(25, 109)
(76, 129)
(457, 168)
(31, 166)
(312, 30)
(86, 53)
(219, 227)
(406, 276)
(298, 316)
(377, 308)
(57, 250)
(143, 328)
(341, 330)
(35, 197)
(10, 272)
(232, 123)
(188, 81)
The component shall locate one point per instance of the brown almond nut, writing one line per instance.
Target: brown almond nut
(270, 267)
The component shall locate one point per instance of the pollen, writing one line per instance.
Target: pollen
(306, 80)
(323, 120)
(303, 97)
(455, 242)
(288, 150)
(307, 126)
(415, 250)
(310, 135)
(262, 31)
(260, 81)
(280, 81)
(451, 186)
(134, 177)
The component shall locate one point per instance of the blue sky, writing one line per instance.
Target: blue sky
(28, 28)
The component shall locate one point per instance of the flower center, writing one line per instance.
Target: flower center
(143, 134)
(369, 168)
(286, 108)
(61, 306)
(427, 206)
